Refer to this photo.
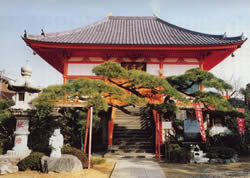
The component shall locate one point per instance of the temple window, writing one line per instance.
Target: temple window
(21, 97)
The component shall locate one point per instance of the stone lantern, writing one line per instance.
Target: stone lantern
(26, 91)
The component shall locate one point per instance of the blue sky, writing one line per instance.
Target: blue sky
(212, 16)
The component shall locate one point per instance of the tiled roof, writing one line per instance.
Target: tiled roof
(5, 79)
(123, 30)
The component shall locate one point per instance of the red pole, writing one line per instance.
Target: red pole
(159, 136)
(90, 136)
(86, 131)
(111, 128)
(156, 132)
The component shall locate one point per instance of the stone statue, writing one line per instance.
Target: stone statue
(56, 143)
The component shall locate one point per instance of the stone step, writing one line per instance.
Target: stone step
(134, 122)
(125, 118)
(128, 122)
(128, 118)
(138, 127)
(121, 151)
(143, 125)
(139, 133)
(132, 134)
(123, 143)
(147, 135)
(141, 130)
(132, 147)
(132, 127)
(130, 155)
(135, 139)
(131, 139)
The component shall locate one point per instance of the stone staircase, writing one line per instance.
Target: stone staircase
(132, 134)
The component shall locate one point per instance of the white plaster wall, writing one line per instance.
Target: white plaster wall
(176, 69)
(81, 69)
(153, 69)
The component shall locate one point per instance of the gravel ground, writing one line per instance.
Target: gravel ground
(98, 171)
(239, 169)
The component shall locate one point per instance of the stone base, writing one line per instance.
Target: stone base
(7, 167)
(14, 157)
(66, 163)
(21, 154)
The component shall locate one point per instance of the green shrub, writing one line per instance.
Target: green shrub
(32, 162)
(78, 153)
(178, 154)
(225, 140)
(220, 152)
(97, 160)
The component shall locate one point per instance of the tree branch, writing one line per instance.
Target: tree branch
(132, 90)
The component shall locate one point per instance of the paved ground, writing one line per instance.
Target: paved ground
(137, 168)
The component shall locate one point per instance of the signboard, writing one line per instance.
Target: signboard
(167, 125)
(192, 131)
(241, 125)
(241, 122)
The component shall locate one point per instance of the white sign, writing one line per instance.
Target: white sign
(167, 125)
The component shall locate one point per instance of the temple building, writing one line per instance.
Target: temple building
(5, 93)
(144, 43)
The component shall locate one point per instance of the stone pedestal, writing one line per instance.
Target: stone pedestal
(66, 163)
(20, 148)
(6, 168)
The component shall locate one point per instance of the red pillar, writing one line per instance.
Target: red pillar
(65, 71)
(161, 68)
(110, 134)
(157, 135)
(111, 127)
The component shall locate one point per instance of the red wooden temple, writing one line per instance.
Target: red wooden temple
(145, 43)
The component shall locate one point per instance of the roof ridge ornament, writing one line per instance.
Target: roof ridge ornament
(155, 14)
(224, 35)
(110, 14)
(243, 37)
(43, 34)
(25, 34)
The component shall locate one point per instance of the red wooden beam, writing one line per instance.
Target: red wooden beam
(157, 135)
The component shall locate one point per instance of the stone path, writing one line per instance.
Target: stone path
(137, 168)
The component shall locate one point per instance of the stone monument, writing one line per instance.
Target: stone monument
(58, 162)
(56, 143)
(26, 91)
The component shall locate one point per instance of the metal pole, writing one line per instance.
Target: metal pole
(90, 136)
(86, 131)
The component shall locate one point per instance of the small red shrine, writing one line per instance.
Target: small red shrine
(145, 43)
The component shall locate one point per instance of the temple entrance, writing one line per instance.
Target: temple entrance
(133, 133)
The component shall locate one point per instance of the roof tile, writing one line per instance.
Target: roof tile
(124, 30)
